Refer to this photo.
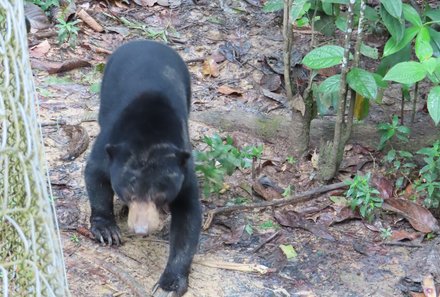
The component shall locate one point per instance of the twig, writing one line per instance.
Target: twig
(405, 244)
(89, 20)
(269, 239)
(234, 266)
(414, 107)
(307, 195)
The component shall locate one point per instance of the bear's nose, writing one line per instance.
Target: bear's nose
(141, 230)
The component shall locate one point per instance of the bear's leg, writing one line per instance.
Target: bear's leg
(186, 223)
(102, 220)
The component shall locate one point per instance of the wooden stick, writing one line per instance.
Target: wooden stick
(307, 195)
(89, 20)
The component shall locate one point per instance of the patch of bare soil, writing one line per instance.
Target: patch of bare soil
(229, 47)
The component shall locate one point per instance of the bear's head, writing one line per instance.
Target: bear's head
(146, 180)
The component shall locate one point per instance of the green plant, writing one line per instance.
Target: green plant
(67, 31)
(291, 160)
(220, 158)
(75, 239)
(386, 233)
(269, 224)
(402, 165)
(364, 196)
(45, 4)
(389, 130)
(287, 191)
(430, 175)
(249, 229)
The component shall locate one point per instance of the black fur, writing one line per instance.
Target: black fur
(143, 151)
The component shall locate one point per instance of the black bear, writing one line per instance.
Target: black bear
(143, 154)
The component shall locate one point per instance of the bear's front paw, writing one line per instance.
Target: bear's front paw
(171, 285)
(106, 230)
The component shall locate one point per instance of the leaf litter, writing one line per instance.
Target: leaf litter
(306, 243)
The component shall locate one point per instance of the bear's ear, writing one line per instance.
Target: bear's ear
(183, 157)
(111, 150)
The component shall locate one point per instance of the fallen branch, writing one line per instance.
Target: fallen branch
(234, 266)
(89, 20)
(307, 195)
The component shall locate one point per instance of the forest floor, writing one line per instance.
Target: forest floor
(337, 254)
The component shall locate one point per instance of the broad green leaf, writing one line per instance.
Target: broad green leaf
(288, 251)
(379, 81)
(395, 26)
(328, 8)
(341, 22)
(362, 82)
(394, 7)
(371, 14)
(431, 64)
(401, 56)
(273, 5)
(331, 84)
(361, 107)
(423, 47)
(335, 1)
(326, 25)
(406, 72)
(434, 104)
(368, 51)
(434, 14)
(392, 46)
(324, 57)
(411, 15)
(297, 9)
(435, 41)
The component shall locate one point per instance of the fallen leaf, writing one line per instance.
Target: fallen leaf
(36, 16)
(419, 217)
(289, 251)
(399, 235)
(270, 82)
(40, 49)
(383, 185)
(78, 142)
(298, 104)
(210, 68)
(267, 189)
(227, 90)
(58, 67)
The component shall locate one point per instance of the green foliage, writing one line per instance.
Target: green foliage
(75, 239)
(221, 158)
(287, 191)
(324, 57)
(364, 196)
(430, 175)
(288, 251)
(434, 104)
(362, 82)
(389, 130)
(401, 165)
(249, 229)
(291, 160)
(269, 224)
(67, 31)
(45, 4)
(386, 233)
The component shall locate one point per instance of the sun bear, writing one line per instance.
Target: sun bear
(143, 154)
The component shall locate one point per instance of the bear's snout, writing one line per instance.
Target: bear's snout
(143, 217)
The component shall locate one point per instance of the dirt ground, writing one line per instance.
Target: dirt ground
(344, 259)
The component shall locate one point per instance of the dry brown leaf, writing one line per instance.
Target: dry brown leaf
(58, 67)
(270, 82)
(298, 104)
(40, 49)
(384, 185)
(227, 90)
(210, 67)
(419, 217)
(399, 235)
